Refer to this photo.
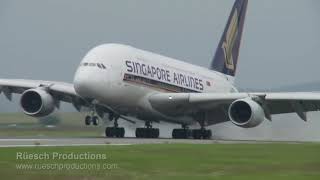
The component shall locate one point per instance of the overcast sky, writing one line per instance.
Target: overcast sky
(41, 39)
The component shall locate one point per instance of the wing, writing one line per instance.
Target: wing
(59, 90)
(272, 103)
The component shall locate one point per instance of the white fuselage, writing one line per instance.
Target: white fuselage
(122, 77)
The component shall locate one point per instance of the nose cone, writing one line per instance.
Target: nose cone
(85, 84)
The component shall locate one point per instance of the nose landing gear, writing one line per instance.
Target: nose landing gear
(92, 119)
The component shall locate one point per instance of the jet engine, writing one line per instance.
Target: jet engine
(246, 113)
(37, 102)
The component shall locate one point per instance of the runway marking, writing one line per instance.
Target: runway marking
(47, 142)
(59, 145)
(39, 139)
(29, 139)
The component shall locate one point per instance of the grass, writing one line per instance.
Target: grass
(158, 161)
(75, 118)
(17, 125)
(176, 161)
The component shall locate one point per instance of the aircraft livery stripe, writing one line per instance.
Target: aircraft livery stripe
(155, 84)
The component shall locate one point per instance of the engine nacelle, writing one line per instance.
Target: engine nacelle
(37, 102)
(246, 113)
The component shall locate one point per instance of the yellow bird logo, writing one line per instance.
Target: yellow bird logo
(228, 45)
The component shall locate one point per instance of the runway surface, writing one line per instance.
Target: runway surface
(24, 142)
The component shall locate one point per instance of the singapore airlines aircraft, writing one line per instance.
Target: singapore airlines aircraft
(118, 81)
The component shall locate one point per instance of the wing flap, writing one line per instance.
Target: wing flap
(273, 103)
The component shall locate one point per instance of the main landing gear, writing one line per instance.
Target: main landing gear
(186, 133)
(115, 131)
(202, 133)
(183, 133)
(147, 131)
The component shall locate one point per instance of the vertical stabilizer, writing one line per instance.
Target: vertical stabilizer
(227, 53)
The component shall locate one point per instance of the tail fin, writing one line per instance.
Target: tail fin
(226, 57)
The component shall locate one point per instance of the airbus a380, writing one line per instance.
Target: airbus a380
(118, 81)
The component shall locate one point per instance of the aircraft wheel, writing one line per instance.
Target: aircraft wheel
(139, 132)
(181, 133)
(115, 132)
(155, 133)
(202, 134)
(119, 132)
(197, 134)
(95, 120)
(207, 134)
(109, 132)
(176, 134)
(147, 133)
(88, 120)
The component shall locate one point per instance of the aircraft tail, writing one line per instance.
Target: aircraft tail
(227, 53)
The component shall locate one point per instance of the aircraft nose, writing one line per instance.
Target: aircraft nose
(84, 84)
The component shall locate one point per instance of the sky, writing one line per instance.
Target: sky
(42, 39)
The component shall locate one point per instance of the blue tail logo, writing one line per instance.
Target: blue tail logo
(226, 56)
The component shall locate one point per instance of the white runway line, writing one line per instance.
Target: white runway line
(60, 145)
(10, 140)
(58, 142)
(47, 142)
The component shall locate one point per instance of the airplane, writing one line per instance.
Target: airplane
(115, 81)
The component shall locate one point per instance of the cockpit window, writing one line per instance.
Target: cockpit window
(99, 65)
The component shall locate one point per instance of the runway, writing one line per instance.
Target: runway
(97, 141)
